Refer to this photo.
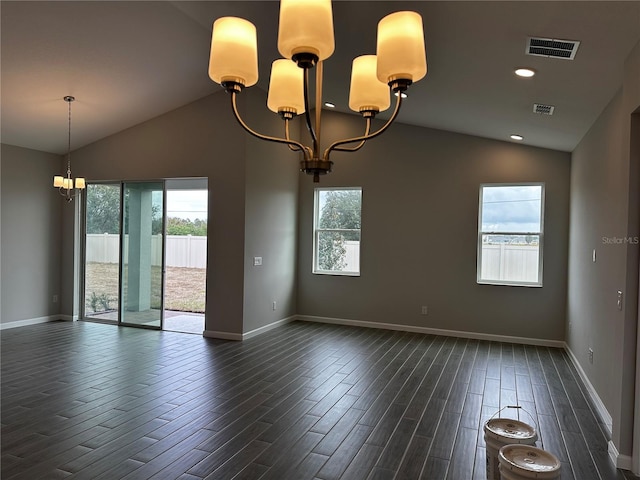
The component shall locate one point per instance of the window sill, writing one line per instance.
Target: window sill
(336, 274)
(508, 284)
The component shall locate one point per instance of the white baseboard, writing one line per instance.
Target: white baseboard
(605, 416)
(222, 335)
(266, 328)
(434, 331)
(620, 461)
(30, 321)
(249, 334)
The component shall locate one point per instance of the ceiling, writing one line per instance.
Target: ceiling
(127, 62)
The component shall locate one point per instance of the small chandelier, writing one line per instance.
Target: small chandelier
(305, 39)
(66, 184)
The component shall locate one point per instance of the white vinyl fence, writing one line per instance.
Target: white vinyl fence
(182, 250)
(510, 262)
(352, 256)
(499, 262)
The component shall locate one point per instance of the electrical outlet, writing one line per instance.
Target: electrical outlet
(257, 261)
(273, 305)
(425, 310)
(591, 355)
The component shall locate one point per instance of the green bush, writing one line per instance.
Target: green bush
(101, 301)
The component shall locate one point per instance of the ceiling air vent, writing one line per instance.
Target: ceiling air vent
(550, 47)
(543, 109)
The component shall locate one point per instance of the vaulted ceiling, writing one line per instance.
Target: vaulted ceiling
(127, 62)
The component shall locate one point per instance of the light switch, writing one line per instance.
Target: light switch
(257, 261)
(619, 301)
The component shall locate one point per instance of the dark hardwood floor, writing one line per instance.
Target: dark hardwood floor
(303, 401)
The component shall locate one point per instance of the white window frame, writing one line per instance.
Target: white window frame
(540, 235)
(317, 231)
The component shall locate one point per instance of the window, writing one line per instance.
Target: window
(336, 231)
(510, 234)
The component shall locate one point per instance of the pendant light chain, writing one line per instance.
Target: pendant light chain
(66, 185)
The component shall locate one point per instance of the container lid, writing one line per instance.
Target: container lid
(525, 458)
(514, 430)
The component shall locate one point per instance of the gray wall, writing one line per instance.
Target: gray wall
(604, 205)
(271, 211)
(31, 234)
(198, 140)
(419, 234)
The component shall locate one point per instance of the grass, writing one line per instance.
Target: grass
(185, 288)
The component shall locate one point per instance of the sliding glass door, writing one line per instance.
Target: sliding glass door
(142, 259)
(102, 252)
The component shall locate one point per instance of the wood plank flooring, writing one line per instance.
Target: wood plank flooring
(303, 401)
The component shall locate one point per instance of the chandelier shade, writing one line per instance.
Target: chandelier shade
(400, 49)
(286, 91)
(367, 93)
(234, 52)
(306, 39)
(306, 27)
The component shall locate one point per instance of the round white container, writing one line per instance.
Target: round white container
(499, 432)
(524, 462)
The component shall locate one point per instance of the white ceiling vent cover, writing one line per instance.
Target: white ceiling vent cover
(551, 47)
(543, 109)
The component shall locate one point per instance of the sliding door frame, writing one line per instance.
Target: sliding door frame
(83, 253)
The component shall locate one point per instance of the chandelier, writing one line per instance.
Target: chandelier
(305, 39)
(66, 184)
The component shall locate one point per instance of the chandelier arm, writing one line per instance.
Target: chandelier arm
(234, 107)
(369, 136)
(307, 115)
(361, 144)
(295, 148)
(66, 193)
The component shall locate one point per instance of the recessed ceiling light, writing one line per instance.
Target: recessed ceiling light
(329, 105)
(404, 95)
(515, 136)
(525, 72)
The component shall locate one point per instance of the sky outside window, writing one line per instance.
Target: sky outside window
(187, 204)
(511, 208)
